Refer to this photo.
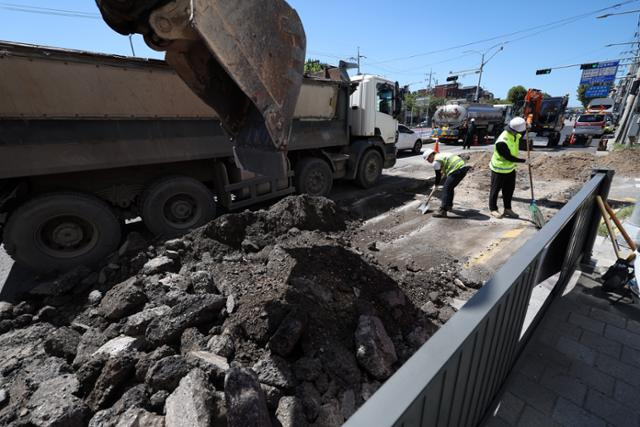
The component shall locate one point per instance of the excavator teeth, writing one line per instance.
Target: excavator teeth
(244, 58)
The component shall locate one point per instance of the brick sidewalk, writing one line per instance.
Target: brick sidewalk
(581, 367)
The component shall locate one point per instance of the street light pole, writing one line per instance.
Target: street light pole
(477, 99)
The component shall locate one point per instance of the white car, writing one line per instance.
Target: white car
(408, 140)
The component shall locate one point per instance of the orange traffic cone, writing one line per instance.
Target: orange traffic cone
(572, 140)
(436, 147)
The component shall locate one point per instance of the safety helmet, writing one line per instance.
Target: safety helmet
(518, 124)
(473, 120)
(427, 153)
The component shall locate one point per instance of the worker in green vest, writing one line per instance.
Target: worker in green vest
(453, 169)
(503, 167)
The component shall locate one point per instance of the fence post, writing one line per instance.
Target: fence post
(587, 263)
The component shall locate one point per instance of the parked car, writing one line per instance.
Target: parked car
(587, 127)
(408, 140)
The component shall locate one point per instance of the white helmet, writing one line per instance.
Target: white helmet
(427, 153)
(518, 124)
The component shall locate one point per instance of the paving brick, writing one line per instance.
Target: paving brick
(496, 422)
(550, 355)
(627, 395)
(609, 316)
(593, 377)
(532, 393)
(568, 414)
(530, 365)
(564, 384)
(510, 408)
(587, 323)
(630, 356)
(623, 336)
(618, 369)
(633, 326)
(610, 410)
(601, 344)
(533, 418)
(575, 350)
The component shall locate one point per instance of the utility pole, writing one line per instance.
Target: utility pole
(357, 59)
(482, 64)
(430, 75)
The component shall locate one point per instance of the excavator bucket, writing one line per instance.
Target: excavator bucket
(244, 58)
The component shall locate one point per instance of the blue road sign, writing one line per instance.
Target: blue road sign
(605, 73)
(597, 91)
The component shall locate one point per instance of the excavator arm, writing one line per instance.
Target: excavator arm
(244, 58)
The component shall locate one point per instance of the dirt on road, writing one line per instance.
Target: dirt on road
(293, 315)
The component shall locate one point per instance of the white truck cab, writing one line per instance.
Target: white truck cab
(375, 104)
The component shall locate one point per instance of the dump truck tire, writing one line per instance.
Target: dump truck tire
(172, 206)
(313, 177)
(370, 169)
(59, 231)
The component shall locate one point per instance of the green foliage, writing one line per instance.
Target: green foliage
(496, 101)
(545, 95)
(516, 94)
(581, 95)
(313, 66)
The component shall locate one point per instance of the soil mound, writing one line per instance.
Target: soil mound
(258, 317)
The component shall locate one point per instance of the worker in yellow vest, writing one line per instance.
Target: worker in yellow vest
(453, 169)
(503, 167)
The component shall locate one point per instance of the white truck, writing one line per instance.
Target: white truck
(88, 141)
(451, 121)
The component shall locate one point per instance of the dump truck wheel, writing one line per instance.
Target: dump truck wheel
(174, 205)
(313, 177)
(59, 231)
(370, 169)
(417, 147)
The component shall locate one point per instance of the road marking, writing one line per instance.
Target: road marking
(494, 247)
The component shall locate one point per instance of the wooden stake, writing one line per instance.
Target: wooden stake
(604, 212)
(624, 233)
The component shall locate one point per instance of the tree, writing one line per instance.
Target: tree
(516, 94)
(545, 95)
(313, 66)
(496, 101)
(582, 89)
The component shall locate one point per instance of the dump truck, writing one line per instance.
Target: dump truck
(89, 141)
(451, 121)
(548, 117)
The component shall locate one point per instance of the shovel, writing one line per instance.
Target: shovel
(536, 216)
(424, 207)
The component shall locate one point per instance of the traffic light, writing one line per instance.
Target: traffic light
(589, 66)
(545, 71)
(452, 78)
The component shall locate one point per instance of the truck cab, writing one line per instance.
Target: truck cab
(375, 105)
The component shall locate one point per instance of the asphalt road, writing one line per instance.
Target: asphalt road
(14, 279)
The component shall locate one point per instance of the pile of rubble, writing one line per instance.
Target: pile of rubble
(258, 318)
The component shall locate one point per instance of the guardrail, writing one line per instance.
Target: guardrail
(454, 377)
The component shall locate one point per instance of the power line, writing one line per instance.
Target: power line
(48, 11)
(555, 24)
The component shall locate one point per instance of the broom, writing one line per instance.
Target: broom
(536, 215)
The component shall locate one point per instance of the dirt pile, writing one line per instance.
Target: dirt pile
(258, 318)
(569, 166)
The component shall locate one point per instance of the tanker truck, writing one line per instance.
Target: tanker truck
(450, 121)
(89, 141)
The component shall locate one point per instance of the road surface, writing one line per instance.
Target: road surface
(398, 187)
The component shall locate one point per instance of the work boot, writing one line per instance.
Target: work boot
(510, 214)
(440, 214)
(496, 214)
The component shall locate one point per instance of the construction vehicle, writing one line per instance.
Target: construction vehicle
(451, 121)
(548, 117)
(89, 141)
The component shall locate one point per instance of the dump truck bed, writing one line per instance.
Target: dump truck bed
(65, 110)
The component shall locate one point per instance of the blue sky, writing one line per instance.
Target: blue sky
(390, 32)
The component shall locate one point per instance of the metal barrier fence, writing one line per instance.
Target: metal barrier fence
(454, 377)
